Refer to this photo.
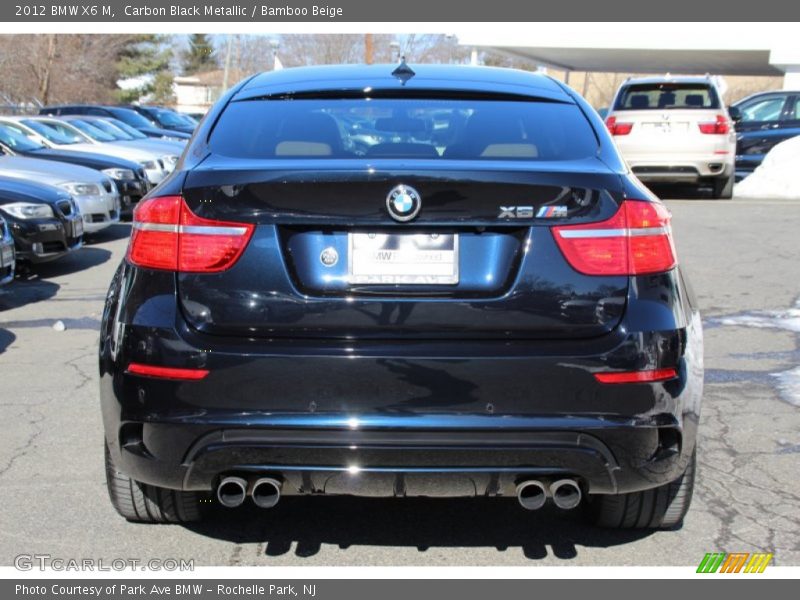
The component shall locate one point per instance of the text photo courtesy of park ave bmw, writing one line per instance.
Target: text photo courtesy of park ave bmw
(290, 286)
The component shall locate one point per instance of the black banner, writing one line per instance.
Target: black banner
(388, 589)
(144, 11)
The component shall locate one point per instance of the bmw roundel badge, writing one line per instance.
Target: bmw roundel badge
(403, 203)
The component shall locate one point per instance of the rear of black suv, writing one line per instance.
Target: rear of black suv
(430, 282)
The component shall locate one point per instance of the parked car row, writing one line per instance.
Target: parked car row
(677, 130)
(75, 170)
(135, 116)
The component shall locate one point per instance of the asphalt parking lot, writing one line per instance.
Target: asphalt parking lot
(743, 259)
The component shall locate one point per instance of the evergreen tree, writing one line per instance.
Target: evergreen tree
(162, 92)
(146, 56)
(200, 55)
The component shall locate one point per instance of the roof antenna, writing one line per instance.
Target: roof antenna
(403, 72)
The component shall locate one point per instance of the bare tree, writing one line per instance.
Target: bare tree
(433, 48)
(43, 69)
(307, 49)
(255, 52)
(62, 68)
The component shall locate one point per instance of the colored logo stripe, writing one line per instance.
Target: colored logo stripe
(757, 563)
(736, 562)
(711, 562)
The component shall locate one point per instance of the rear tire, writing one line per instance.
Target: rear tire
(663, 507)
(143, 503)
(723, 187)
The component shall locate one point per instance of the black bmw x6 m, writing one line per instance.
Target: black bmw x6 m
(396, 281)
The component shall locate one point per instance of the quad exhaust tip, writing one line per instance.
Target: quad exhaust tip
(265, 492)
(531, 494)
(566, 493)
(232, 491)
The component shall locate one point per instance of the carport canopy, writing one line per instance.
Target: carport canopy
(685, 48)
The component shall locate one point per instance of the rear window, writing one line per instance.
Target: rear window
(664, 96)
(403, 128)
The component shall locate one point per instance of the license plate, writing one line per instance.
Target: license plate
(77, 227)
(665, 127)
(6, 256)
(403, 259)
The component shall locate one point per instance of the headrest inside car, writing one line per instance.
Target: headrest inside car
(666, 99)
(694, 100)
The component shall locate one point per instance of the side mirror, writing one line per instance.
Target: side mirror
(735, 113)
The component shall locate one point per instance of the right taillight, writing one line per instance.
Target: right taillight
(168, 235)
(719, 126)
(618, 128)
(637, 240)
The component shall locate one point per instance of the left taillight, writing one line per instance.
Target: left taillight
(167, 235)
(719, 126)
(637, 240)
(160, 372)
(617, 127)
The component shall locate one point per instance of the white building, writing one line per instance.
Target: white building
(196, 93)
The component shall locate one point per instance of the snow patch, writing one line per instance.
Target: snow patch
(766, 319)
(777, 176)
(789, 385)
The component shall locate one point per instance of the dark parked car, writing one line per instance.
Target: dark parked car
(164, 118)
(762, 121)
(503, 315)
(42, 219)
(128, 176)
(126, 115)
(8, 258)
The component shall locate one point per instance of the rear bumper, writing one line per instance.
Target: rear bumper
(471, 457)
(682, 169)
(400, 418)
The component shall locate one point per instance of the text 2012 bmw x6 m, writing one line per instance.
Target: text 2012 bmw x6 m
(438, 281)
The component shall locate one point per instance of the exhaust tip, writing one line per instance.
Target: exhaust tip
(566, 493)
(266, 492)
(531, 494)
(232, 491)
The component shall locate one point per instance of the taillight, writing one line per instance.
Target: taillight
(169, 236)
(617, 128)
(719, 126)
(637, 240)
(637, 376)
(167, 372)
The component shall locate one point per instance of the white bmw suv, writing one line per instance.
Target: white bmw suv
(676, 130)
